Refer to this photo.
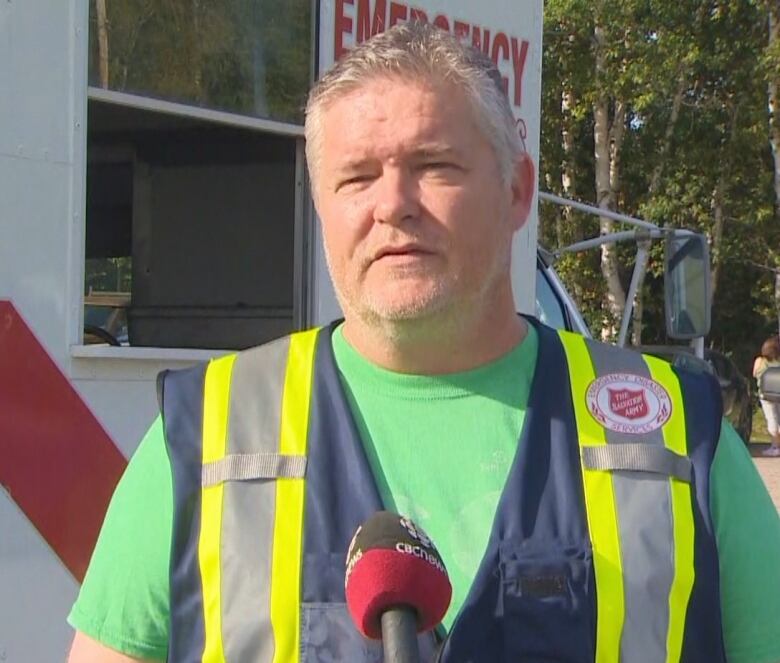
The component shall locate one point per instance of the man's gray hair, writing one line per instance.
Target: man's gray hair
(419, 51)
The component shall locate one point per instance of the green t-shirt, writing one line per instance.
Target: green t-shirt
(124, 599)
(463, 425)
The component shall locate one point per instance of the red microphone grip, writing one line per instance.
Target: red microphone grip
(393, 564)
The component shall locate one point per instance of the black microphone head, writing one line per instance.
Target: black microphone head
(392, 563)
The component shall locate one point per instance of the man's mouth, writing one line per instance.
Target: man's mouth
(402, 251)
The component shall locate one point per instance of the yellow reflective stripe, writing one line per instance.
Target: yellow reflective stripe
(216, 396)
(600, 507)
(288, 523)
(682, 512)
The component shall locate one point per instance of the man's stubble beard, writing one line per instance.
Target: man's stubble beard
(439, 312)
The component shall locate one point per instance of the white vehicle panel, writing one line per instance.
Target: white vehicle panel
(34, 264)
(126, 426)
(31, 80)
(36, 593)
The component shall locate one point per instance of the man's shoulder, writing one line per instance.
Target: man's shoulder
(277, 348)
(271, 348)
(615, 352)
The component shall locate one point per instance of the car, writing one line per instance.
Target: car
(734, 387)
(554, 305)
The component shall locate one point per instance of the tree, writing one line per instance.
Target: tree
(772, 62)
(246, 56)
(654, 107)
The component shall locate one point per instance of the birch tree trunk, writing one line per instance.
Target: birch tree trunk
(568, 227)
(567, 167)
(102, 40)
(607, 173)
(608, 138)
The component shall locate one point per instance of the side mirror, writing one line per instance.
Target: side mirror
(687, 286)
(769, 384)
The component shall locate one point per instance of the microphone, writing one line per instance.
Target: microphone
(396, 584)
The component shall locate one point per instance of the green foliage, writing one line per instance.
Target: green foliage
(246, 56)
(685, 166)
(108, 275)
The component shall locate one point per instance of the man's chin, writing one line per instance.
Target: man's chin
(407, 311)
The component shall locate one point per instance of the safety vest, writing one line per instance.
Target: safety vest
(602, 546)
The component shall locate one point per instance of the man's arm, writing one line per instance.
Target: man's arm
(87, 650)
(123, 601)
(747, 529)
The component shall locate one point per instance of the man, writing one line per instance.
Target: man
(585, 540)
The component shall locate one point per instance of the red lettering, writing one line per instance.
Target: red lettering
(519, 56)
(441, 22)
(397, 13)
(476, 39)
(501, 43)
(461, 29)
(342, 24)
(418, 15)
(368, 26)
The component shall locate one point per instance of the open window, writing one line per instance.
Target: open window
(190, 231)
(195, 196)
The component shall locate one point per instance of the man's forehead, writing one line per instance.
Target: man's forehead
(392, 117)
(365, 107)
(348, 144)
(374, 88)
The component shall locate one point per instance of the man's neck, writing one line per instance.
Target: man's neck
(437, 349)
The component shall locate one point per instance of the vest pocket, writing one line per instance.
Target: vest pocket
(329, 636)
(327, 631)
(546, 601)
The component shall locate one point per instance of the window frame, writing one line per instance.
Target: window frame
(303, 219)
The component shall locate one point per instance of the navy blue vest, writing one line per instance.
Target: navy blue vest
(533, 597)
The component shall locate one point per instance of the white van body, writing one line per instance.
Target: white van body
(58, 146)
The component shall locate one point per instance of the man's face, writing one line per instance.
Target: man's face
(415, 217)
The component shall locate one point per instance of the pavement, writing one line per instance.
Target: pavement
(769, 469)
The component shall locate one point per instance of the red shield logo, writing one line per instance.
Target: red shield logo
(628, 403)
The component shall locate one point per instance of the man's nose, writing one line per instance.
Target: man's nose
(397, 197)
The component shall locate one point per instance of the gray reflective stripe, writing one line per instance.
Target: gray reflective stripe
(638, 458)
(644, 513)
(246, 467)
(249, 506)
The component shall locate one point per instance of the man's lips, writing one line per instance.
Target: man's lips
(405, 250)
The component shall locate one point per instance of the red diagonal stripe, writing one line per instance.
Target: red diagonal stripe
(56, 461)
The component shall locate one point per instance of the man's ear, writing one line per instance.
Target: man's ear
(523, 189)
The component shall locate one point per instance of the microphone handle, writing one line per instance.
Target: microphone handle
(399, 635)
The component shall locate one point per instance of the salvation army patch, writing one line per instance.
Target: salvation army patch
(628, 403)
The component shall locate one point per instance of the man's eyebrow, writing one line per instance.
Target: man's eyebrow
(348, 164)
(435, 150)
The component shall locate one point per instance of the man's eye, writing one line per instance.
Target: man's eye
(355, 179)
(439, 166)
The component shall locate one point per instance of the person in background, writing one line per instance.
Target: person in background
(770, 356)
(589, 503)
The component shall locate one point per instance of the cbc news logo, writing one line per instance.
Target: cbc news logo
(416, 532)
